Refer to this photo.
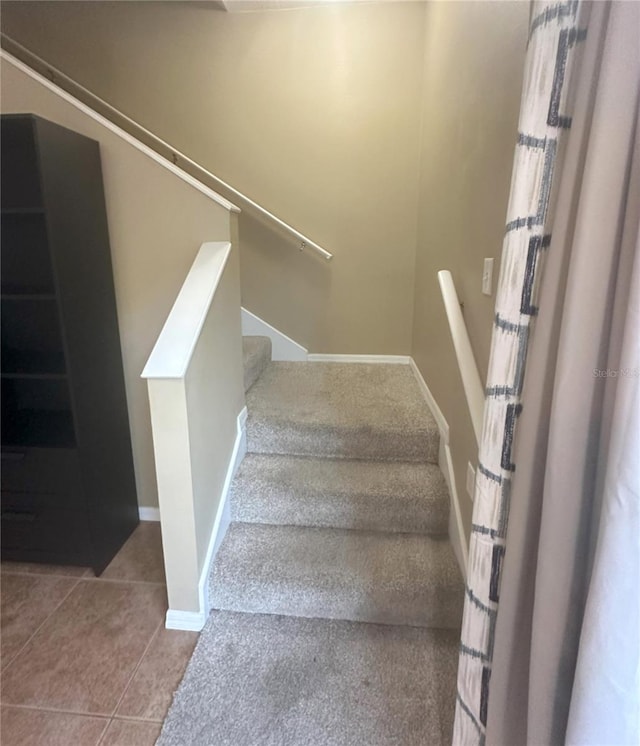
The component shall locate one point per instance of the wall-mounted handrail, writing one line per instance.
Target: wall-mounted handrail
(158, 144)
(471, 382)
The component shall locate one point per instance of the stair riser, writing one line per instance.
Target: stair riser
(440, 609)
(330, 574)
(361, 512)
(338, 493)
(296, 440)
(256, 352)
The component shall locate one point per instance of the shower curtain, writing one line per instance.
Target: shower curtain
(552, 574)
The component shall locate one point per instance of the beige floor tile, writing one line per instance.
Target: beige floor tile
(131, 733)
(141, 557)
(150, 692)
(35, 568)
(20, 727)
(84, 655)
(26, 601)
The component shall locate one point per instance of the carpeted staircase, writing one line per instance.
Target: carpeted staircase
(337, 598)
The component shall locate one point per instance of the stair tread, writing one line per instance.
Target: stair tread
(283, 680)
(365, 411)
(256, 355)
(338, 574)
(339, 493)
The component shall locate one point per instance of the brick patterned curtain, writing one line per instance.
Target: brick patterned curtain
(553, 53)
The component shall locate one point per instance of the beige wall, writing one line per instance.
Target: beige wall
(474, 61)
(348, 121)
(156, 226)
(313, 113)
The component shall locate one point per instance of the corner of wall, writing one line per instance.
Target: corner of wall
(457, 534)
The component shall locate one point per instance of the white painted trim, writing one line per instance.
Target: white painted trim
(457, 535)
(443, 425)
(390, 359)
(471, 382)
(174, 347)
(149, 514)
(282, 347)
(149, 152)
(189, 621)
(456, 528)
(195, 620)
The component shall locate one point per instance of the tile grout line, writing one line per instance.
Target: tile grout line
(39, 627)
(82, 577)
(128, 684)
(57, 711)
(124, 580)
(54, 711)
(137, 666)
(77, 713)
(32, 574)
(132, 719)
(104, 731)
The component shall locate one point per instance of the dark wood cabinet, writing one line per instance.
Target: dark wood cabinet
(68, 487)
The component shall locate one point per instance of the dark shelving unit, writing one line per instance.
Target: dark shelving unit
(68, 487)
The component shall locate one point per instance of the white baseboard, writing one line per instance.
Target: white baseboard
(282, 347)
(195, 620)
(457, 535)
(189, 621)
(393, 359)
(149, 514)
(443, 425)
(456, 529)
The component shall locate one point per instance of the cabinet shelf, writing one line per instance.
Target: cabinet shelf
(48, 363)
(22, 211)
(37, 411)
(34, 376)
(37, 428)
(26, 264)
(36, 294)
(68, 486)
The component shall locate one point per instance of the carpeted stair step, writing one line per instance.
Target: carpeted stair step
(286, 681)
(256, 355)
(339, 493)
(342, 410)
(360, 576)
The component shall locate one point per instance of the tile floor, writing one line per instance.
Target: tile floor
(86, 660)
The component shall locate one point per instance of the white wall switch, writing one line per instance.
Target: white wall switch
(487, 277)
(471, 479)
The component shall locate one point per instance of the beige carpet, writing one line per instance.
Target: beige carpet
(282, 681)
(337, 598)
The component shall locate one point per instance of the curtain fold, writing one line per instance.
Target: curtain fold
(566, 427)
(605, 702)
(552, 595)
(556, 36)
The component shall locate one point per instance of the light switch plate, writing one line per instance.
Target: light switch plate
(471, 479)
(487, 277)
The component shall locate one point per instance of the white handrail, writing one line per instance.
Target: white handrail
(53, 73)
(108, 124)
(471, 382)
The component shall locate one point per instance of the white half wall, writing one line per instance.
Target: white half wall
(282, 347)
(194, 377)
